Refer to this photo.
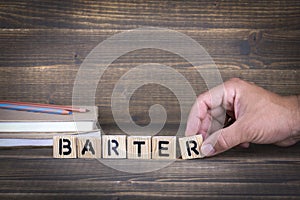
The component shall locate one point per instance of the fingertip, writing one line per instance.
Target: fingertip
(190, 131)
(187, 134)
(192, 127)
(245, 145)
(221, 141)
(207, 149)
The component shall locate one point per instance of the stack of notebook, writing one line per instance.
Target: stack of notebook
(22, 128)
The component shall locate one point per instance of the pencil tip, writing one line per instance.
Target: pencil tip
(83, 110)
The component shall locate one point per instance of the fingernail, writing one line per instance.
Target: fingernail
(207, 149)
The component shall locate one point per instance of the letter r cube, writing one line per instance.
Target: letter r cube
(114, 146)
(190, 147)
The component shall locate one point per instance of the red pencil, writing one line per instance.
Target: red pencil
(69, 108)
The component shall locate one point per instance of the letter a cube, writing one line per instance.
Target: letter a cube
(89, 147)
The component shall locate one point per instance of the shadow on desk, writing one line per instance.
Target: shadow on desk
(262, 171)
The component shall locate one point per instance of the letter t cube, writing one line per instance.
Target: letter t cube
(139, 147)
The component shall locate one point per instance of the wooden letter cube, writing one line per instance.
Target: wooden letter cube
(64, 146)
(88, 147)
(164, 147)
(139, 147)
(114, 146)
(190, 147)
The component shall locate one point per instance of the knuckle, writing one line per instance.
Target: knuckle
(234, 83)
(237, 84)
(235, 80)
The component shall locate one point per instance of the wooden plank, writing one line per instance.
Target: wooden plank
(262, 171)
(230, 48)
(44, 42)
(59, 79)
(54, 84)
(130, 14)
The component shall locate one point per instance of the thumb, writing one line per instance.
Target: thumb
(222, 140)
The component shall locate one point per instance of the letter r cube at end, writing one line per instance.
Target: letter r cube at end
(190, 147)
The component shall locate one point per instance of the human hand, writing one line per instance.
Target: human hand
(259, 116)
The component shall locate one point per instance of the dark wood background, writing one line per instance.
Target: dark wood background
(43, 43)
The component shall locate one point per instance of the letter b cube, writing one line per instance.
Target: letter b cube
(64, 146)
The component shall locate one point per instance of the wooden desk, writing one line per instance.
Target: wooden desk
(43, 43)
(258, 172)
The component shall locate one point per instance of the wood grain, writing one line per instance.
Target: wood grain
(262, 171)
(43, 43)
(131, 14)
(54, 84)
(230, 48)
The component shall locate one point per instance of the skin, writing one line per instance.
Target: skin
(255, 114)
